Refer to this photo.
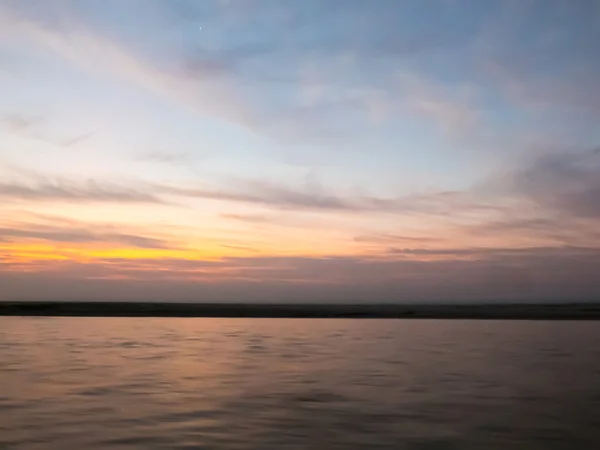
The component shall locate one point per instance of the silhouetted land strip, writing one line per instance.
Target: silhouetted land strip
(572, 311)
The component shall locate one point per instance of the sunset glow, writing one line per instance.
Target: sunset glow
(275, 151)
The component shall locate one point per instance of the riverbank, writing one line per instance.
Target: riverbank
(571, 311)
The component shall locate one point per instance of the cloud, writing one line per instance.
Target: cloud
(567, 182)
(78, 235)
(529, 274)
(376, 31)
(285, 218)
(309, 195)
(330, 110)
(62, 190)
(488, 253)
(165, 157)
(101, 55)
(554, 227)
(384, 238)
(206, 65)
(568, 94)
(244, 248)
(237, 82)
(18, 123)
(75, 140)
(252, 218)
(28, 127)
(312, 196)
(453, 109)
(264, 193)
(544, 61)
(338, 58)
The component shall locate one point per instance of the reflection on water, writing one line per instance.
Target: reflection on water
(298, 384)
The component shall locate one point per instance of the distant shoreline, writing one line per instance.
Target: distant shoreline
(563, 311)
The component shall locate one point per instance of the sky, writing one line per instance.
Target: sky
(316, 150)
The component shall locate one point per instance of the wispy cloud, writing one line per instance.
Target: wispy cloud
(313, 196)
(406, 102)
(573, 95)
(453, 110)
(78, 235)
(261, 193)
(75, 140)
(309, 195)
(389, 239)
(568, 182)
(539, 61)
(251, 218)
(30, 128)
(99, 54)
(493, 274)
(18, 123)
(556, 227)
(67, 191)
(166, 157)
(224, 82)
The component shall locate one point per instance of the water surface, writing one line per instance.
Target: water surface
(151, 383)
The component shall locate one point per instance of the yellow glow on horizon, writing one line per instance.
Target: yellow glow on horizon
(31, 251)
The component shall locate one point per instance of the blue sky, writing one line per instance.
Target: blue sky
(283, 129)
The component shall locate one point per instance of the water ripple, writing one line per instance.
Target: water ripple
(298, 384)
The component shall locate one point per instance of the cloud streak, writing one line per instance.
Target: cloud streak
(67, 191)
(85, 50)
(78, 235)
(568, 182)
(18, 123)
(564, 182)
(312, 197)
(547, 274)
